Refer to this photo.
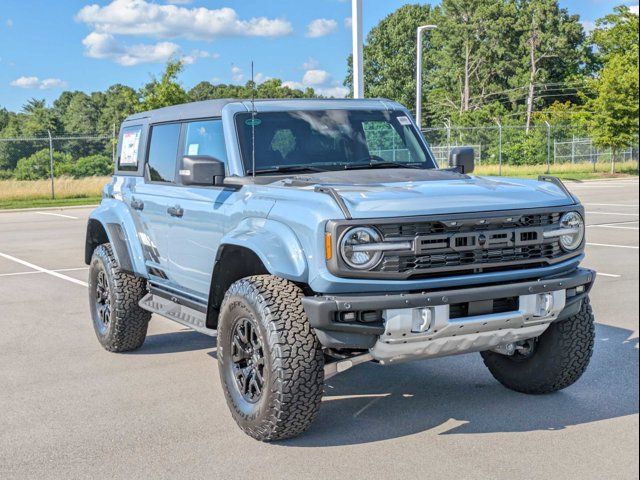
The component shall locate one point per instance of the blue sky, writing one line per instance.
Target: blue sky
(48, 46)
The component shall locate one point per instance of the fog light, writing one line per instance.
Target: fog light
(580, 289)
(422, 318)
(544, 304)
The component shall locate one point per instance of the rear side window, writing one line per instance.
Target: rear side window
(205, 138)
(129, 146)
(163, 152)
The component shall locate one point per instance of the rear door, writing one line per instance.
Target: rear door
(153, 199)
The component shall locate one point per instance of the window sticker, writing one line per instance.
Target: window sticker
(130, 145)
(193, 149)
(404, 121)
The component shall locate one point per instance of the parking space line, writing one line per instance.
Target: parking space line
(611, 246)
(600, 274)
(57, 215)
(609, 225)
(36, 272)
(44, 270)
(626, 214)
(611, 205)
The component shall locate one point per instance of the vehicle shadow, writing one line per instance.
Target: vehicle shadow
(458, 395)
(174, 342)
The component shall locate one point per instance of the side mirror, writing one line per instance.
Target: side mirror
(463, 159)
(201, 170)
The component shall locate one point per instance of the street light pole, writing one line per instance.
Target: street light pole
(358, 65)
(421, 30)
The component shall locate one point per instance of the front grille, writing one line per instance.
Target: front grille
(471, 245)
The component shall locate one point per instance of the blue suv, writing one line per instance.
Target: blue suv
(310, 236)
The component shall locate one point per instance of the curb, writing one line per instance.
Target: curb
(39, 209)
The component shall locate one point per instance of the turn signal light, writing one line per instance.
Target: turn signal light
(328, 249)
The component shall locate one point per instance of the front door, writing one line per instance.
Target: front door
(194, 237)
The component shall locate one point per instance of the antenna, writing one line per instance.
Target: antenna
(253, 123)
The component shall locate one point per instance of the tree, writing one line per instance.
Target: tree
(38, 119)
(552, 41)
(390, 55)
(611, 114)
(37, 166)
(120, 101)
(166, 91)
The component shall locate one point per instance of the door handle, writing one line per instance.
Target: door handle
(137, 204)
(175, 211)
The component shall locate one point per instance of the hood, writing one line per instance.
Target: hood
(404, 192)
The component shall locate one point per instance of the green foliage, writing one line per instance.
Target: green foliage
(37, 166)
(6, 174)
(91, 166)
(166, 91)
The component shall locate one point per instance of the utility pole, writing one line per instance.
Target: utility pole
(53, 192)
(358, 40)
(421, 30)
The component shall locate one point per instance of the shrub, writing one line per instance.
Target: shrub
(91, 166)
(6, 174)
(37, 167)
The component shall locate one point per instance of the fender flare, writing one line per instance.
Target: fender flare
(275, 244)
(113, 222)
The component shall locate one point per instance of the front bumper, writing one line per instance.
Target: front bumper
(324, 311)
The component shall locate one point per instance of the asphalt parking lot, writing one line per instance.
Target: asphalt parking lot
(69, 409)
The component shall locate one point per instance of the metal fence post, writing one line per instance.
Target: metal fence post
(499, 148)
(51, 174)
(548, 146)
(113, 144)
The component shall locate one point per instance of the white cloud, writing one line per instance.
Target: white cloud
(634, 9)
(348, 22)
(310, 64)
(140, 17)
(321, 27)
(196, 54)
(105, 46)
(321, 81)
(237, 75)
(316, 77)
(588, 25)
(9, 23)
(333, 92)
(36, 83)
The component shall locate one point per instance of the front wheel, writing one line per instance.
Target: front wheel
(551, 362)
(270, 360)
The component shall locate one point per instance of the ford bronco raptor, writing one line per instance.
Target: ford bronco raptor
(310, 236)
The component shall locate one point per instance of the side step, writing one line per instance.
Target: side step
(178, 313)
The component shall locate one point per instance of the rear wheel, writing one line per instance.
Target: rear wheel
(551, 362)
(119, 322)
(270, 360)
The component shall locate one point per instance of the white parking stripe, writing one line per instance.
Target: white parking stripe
(612, 226)
(36, 272)
(611, 205)
(612, 246)
(57, 215)
(44, 270)
(613, 213)
(600, 274)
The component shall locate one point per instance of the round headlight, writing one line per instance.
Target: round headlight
(353, 248)
(572, 221)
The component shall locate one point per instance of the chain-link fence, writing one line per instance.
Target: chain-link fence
(53, 157)
(544, 144)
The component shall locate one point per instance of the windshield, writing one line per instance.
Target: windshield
(330, 140)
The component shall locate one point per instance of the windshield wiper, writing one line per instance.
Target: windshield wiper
(287, 169)
(379, 164)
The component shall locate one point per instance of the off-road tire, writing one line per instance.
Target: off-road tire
(293, 358)
(127, 325)
(560, 357)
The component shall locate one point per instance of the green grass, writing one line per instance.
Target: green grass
(565, 171)
(42, 202)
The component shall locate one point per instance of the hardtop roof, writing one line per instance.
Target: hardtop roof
(213, 108)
